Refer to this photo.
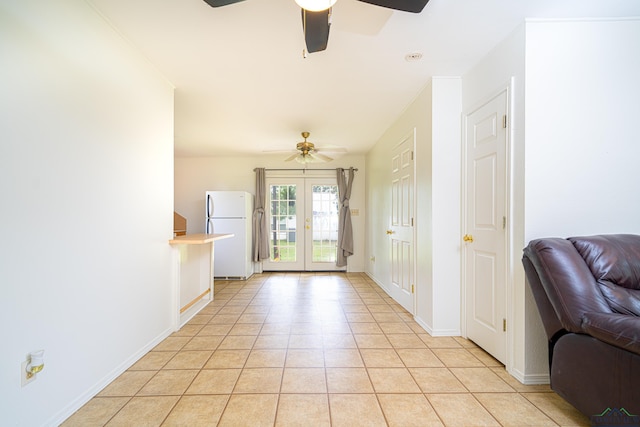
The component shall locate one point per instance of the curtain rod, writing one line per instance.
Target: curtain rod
(304, 170)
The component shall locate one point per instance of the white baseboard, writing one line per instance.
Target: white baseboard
(530, 379)
(76, 404)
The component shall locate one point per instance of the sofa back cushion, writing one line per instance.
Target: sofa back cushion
(614, 261)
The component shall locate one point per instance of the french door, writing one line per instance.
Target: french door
(303, 224)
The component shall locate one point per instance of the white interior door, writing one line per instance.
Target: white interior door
(485, 224)
(303, 224)
(401, 228)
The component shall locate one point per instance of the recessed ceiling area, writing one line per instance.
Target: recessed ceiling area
(243, 85)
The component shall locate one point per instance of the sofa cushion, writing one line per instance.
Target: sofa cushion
(614, 257)
(615, 329)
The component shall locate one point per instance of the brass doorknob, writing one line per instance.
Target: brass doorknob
(468, 238)
(390, 231)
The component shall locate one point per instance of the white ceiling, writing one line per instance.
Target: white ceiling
(243, 86)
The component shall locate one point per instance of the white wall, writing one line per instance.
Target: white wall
(87, 192)
(195, 175)
(582, 92)
(435, 117)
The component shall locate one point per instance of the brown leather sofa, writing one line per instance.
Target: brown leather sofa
(587, 290)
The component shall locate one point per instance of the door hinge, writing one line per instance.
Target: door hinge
(412, 222)
(413, 288)
(504, 325)
(412, 155)
(504, 222)
(504, 121)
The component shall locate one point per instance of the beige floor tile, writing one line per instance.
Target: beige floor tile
(380, 308)
(359, 317)
(127, 384)
(305, 341)
(189, 360)
(204, 343)
(303, 410)
(437, 342)
(342, 358)
(481, 380)
(246, 329)
(189, 330)
(307, 328)
(437, 380)
(365, 328)
(96, 412)
(215, 330)
(419, 358)
(231, 309)
(348, 380)
(153, 361)
(197, 411)
(513, 410)
(338, 341)
(372, 341)
(227, 359)
(304, 380)
(392, 380)
(457, 358)
(408, 410)
(172, 344)
(144, 411)
(395, 328)
(237, 342)
(252, 318)
(224, 319)
(405, 341)
(381, 358)
(305, 358)
(170, 382)
(387, 317)
(484, 357)
(354, 307)
(333, 327)
(355, 410)
(214, 381)
(259, 380)
(558, 409)
(255, 410)
(266, 358)
(276, 329)
(461, 410)
(271, 342)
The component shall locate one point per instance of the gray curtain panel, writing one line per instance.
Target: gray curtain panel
(345, 230)
(260, 230)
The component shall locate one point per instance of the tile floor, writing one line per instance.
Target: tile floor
(305, 349)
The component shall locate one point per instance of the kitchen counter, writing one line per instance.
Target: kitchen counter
(193, 256)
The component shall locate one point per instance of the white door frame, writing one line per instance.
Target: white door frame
(509, 258)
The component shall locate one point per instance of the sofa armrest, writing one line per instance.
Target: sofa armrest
(619, 330)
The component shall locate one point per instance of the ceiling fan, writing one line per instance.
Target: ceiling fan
(316, 16)
(306, 152)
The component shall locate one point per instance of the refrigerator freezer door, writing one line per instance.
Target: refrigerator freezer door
(227, 204)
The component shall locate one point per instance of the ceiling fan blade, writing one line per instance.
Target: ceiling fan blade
(293, 156)
(219, 3)
(414, 6)
(320, 157)
(315, 26)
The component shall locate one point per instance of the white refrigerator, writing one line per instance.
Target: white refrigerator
(230, 212)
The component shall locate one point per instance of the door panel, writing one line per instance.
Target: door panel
(484, 226)
(401, 228)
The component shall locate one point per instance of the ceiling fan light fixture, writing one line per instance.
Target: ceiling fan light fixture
(316, 5)
(304, 159)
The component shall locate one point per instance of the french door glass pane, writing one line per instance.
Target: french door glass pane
(283, 223)
(325, 222)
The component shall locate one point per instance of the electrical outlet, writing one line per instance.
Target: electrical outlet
(23, 374)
